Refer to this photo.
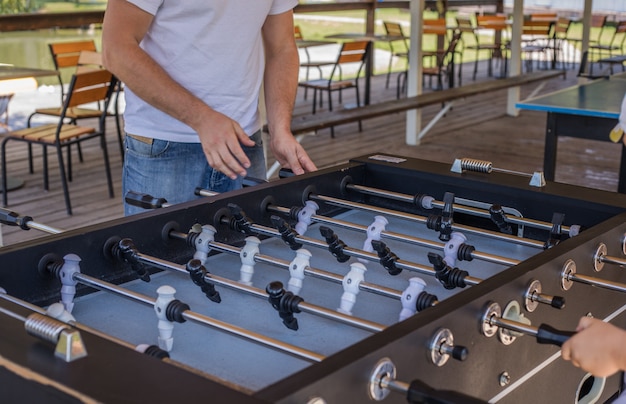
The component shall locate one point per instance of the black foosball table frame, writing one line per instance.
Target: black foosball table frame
(394, 365)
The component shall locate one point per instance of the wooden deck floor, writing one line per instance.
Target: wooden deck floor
(476, 127)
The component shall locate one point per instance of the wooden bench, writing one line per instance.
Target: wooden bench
(309, 123)
(305, 124)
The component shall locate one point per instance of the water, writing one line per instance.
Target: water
(30, 48)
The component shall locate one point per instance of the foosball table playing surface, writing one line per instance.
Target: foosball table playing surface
(383, 279)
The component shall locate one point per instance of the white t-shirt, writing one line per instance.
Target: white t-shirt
(214, 49)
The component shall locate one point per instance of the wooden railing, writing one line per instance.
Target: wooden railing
(28, 22)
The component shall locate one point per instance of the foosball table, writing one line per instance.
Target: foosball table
(383, 279)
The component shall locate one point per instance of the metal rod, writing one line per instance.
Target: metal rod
(410, 266)
(386, 382)
(601, 283)
(98, 333)
(514, 326)
(314, 272)
(198, 318)
(401, 237)
(421, 219)
(613, 260)
(303, 306)
(458, 208)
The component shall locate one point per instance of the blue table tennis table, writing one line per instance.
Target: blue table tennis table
(587, 111)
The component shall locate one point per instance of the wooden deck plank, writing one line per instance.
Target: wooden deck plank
(475, 127)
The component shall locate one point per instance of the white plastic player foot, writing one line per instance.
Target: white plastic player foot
(165, 326)
(351, 283)
(247, 254)
(409, 297)
(296, 270)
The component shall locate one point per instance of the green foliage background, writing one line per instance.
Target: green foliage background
(19, 6)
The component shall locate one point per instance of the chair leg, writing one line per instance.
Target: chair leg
(69, 163)
(358, 104)
(118, 125)
(46, 182)
(5, 198)
(66, 191)
(107, 166)
(30, 149)
(475, 66)
(314, 99)
(389, 71)
(330, 108)
(30, 159)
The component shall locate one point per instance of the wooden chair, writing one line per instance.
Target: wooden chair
(351, 53)
(597, 25)
(297, 33)
(443, 67)
(615, 45)
(536, 37)
(561, 29)
(466, 28)
(65, 56)
(87, 87)
(78, 56)
(498, 25)
(5, 99)
(398, 44)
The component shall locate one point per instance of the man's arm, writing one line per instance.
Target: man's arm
(124, 27)
(281, 83)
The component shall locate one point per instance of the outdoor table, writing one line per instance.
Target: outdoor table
(587, 111)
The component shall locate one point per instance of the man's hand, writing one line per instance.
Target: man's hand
(290, 154)
(221, 139)
(598, 348)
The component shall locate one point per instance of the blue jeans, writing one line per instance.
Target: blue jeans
(173, 170)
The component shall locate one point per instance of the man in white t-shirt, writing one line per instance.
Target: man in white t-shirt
(193, 70)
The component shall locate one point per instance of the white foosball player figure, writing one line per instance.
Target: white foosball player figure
(165, 326)
(247, 254)
(71, 266)
(305, 216)
(207, 236)
(296, 270)
(351, 283)
(409, 297)
(451, 249)
(373, 233)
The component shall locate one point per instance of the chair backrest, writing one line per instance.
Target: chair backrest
(537, 28)
(393, 28)
(619, 35)
(88, 87)
(552, 17)
(395, 34)
(464, 24)
(297, 33)
(496, 22)
(598, 21)
(562, 26)
(435, 26)
(65, 54)
(354, 52)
